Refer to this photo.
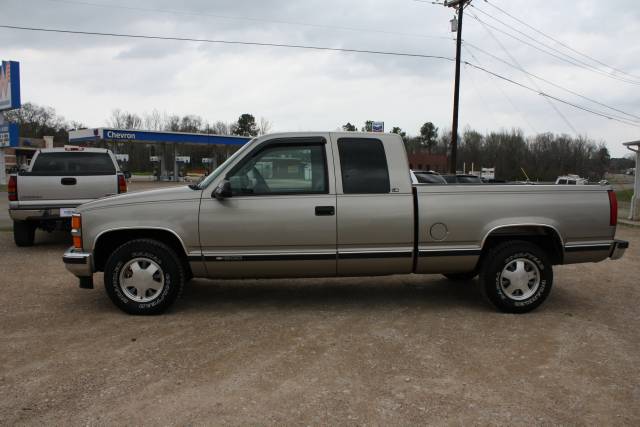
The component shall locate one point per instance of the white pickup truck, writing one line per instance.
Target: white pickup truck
(56, 182)
(323, 204)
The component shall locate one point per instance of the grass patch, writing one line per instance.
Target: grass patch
(142, 173)
(3, 188)
(624, 195)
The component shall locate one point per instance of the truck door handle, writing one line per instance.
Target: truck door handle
(325, 210)
(68, 181)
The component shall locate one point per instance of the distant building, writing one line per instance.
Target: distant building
(426, 161)
(17, 157)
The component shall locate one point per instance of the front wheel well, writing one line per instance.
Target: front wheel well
(108, 242)
(545, 237)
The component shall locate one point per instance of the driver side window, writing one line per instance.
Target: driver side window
(282, 169)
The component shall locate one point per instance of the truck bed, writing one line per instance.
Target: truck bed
(455, 220)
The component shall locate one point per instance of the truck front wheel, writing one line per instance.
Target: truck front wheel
(144, 276)
(516, 276)
(24, 233)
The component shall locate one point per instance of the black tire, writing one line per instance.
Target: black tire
(24, 233)
(493, 283)
(461, 277)
(164, 257)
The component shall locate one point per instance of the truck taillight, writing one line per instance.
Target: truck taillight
(122, 184)
(613, 208)
(12, 188)
(76, 231)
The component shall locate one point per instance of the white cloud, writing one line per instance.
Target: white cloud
(84, 78)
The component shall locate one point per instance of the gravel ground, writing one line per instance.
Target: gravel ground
(388, 351)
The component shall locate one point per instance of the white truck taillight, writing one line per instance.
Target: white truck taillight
(12, 188)
(122, 184)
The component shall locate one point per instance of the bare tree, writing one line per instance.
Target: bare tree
(264, 127)
(124, 120)
(172, 123)
(36, 121)
(154, 120)
(221, 128)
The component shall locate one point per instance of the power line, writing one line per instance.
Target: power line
(521, 68)
(317, 48)
(553, 49)
(235, 42)
(558, 41)
(241, 18)
(497, 58)
(513, 105)
(595, 70)
(597, 113)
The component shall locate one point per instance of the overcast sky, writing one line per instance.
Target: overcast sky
(85, 77)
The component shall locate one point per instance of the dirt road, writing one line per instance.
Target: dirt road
(388, 351)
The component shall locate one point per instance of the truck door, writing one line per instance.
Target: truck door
(280, 220)
(374, 206)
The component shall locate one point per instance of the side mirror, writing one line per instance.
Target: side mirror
(127, 174)
(223, 190)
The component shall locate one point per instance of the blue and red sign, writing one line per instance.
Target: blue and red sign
(9, 135)
(9, 85)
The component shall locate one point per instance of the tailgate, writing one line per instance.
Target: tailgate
(46, 190)
(67, 178)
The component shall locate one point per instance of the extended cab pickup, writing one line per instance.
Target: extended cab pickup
(338, 204)
(57, 181)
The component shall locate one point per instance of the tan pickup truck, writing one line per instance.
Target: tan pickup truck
(338, 204)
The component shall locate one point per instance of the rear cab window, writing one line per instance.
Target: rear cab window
(363, 163)
(73, 163)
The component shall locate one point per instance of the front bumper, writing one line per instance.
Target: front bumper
(78, 263)
(617, 249)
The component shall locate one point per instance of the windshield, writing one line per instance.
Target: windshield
(213, 175)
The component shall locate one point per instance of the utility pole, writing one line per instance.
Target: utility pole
(460, 4)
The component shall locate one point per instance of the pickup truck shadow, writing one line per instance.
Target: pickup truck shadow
(331, 294)
(55, 238)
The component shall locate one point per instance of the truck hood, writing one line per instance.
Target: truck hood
(149, 196)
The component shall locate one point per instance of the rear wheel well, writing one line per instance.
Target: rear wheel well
(108, 242)
(543, 236)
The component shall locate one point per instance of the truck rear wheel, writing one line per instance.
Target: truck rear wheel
(24, 233)
(516, 276)
(144, 276)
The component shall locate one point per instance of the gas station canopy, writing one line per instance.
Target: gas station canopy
(122, 135)
(173, 139)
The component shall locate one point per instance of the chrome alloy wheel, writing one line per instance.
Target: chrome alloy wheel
(520, 279)
(141, 279)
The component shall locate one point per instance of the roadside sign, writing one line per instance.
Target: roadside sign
(9, 85)
(8, 135)
(183, 159)
(377, 127)
(122, 157)
(154, 159)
